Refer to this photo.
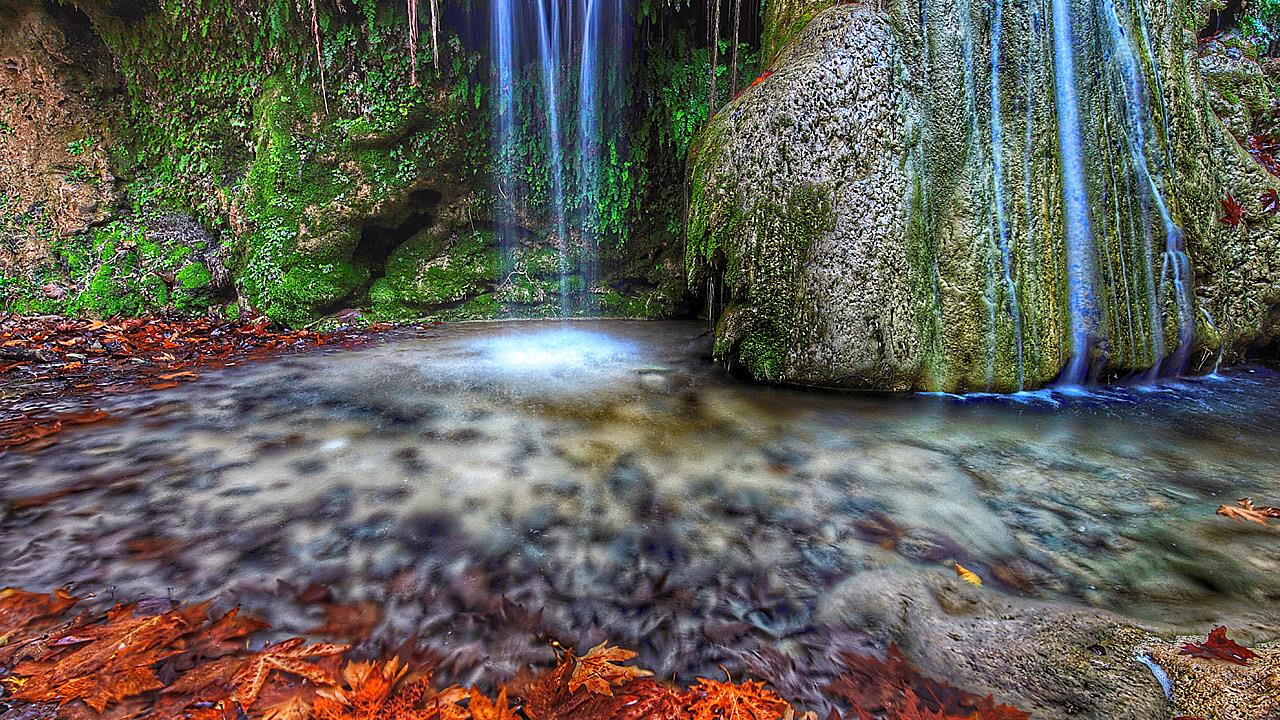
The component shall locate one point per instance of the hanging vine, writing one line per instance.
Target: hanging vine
(413, 41)
(315, 33)
(435, 33)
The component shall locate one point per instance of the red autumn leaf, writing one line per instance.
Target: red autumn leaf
(1265, 150)
(1232, 211)
(1219, 647)
(291, 656)
(872, 685)
(109, 662)
(546, 696)
(749, 700)
(1270, 201)
(647, 700)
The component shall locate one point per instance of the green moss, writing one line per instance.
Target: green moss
(784, 20)
(310, 288)
(760, 270)
(194, 276)
(116, 270)
(430, 271)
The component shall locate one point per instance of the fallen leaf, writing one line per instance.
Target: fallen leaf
(894, 687)
(1232, 211)
(1270, 201)
(597, 671)
(968, 575)
(647, 700)
(291, 656)
(1219, 647)
(1245, 511)
(749, 700)
(482, 708)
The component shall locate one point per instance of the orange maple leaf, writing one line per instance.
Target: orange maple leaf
(482, 708)
(1248, 512)
(289, 656)
(373, 692)
(749, 700)
(597, 671)
(368, 686)
(19, 609)
(112, 661)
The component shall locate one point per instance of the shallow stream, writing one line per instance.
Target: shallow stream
(493, 488)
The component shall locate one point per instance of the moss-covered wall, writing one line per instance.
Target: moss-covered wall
(307, 192)
(951, 262)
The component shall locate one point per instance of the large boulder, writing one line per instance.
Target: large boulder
(896, 206)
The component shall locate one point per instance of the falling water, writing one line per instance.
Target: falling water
(567, 48)
(1080, 265)
(1175, 267)
(504, 130)
(549, 47)
(589, 98)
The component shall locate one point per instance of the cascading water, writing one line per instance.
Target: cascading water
(1079, 238)
(566, 49)
(503, 101)
(549, 48)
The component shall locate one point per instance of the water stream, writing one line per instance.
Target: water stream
(606, 475)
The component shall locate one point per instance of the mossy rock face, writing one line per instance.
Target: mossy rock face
(784, 20)
(942, 263)
(432, 273)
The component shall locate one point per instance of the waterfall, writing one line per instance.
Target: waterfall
(566, 50)
(1175, 266)
(588, 127)
(549, 63)
(1079, 236)
(503, 101)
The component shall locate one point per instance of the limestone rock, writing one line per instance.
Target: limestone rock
(943, 253)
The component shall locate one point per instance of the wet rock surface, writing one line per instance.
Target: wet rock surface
(498, 487)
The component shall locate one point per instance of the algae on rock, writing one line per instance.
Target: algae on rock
(957, 258)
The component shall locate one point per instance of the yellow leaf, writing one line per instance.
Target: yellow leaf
(968, 575)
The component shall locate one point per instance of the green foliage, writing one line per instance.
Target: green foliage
(80, 147)
(116, 270)
(1261, 22)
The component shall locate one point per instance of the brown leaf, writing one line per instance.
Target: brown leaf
(349, 621)
(1247, 512)
(647, 700)
(597, 671)
(290, 656)
(20, 610)
(872, 685)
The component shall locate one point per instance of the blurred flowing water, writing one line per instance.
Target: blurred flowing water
(494, 486)
(549, 145)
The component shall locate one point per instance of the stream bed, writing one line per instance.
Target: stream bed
(491, 489)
